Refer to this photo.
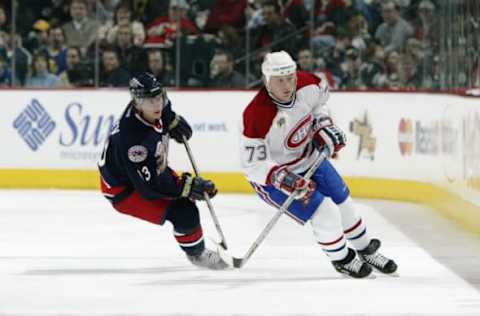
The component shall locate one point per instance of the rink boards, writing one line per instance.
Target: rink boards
(409, 146)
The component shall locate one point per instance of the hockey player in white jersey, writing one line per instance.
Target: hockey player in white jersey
(284, 128)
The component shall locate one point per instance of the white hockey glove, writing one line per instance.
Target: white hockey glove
(328, 134)
(291, 183)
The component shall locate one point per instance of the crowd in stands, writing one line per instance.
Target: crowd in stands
(354, 44)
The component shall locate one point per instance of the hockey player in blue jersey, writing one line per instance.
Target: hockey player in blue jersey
(136, 178)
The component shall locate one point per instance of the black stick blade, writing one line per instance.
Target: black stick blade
(237, 263)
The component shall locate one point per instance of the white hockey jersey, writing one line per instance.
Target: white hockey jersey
(274, 136)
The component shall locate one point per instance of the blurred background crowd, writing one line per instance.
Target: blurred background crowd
(353, 44)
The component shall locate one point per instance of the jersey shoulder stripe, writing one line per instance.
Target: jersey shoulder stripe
(305, 79)
(258, 115)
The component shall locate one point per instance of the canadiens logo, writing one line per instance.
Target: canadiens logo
(137, 153)
(300, 133)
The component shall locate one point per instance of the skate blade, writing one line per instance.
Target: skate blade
(390, 275)
(371, 276)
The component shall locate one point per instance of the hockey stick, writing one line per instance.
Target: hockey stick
(240, 262)
(223, 241)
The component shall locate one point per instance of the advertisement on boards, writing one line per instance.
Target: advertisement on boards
(67, 129)
(57, 129)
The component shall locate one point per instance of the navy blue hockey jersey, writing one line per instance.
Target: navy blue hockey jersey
(135, 158)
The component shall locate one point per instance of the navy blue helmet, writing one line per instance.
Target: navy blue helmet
(145, 85)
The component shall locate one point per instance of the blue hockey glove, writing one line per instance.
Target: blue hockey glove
(194, 187)
(179, 128)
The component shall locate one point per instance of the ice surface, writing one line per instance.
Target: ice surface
(70, 253)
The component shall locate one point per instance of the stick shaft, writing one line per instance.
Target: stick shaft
(239, 262)
(223, 241)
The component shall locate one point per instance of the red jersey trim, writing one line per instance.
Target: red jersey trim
(259, 115)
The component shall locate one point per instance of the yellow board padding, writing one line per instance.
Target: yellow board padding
(444, 201)
(48, 179)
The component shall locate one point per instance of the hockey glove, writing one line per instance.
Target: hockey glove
(329, 135)
(179, 128)
(291, 183)
(194, 187)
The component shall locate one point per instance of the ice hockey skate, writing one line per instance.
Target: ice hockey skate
(373, 257)
(352, 266)
(208, 259)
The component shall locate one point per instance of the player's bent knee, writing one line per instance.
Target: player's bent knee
(326, 216)
(183, 214)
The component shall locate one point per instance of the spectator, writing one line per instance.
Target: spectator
(163, 30)
(100, 10)
(59, 12)
(331, 10)
(275, 30)
(82, 30)
(358, 30)
(336, 57)
(226, 12)
(4, 25)
(6, 76)
(41, 76)
(72, 60)
(77, 74)
(294, 11)
(229, 39)
(351, 68)
(56, 49)
(426, 30)
(112, 75)
(373, 14)
(23, 58)
(306, 62)
(222, 73)
(132, 57)
(411, 73)
(392, 67)
(123, 16)
(372, 71)
(394, 31)
(146, 11)
(38, 37)
(159, 68)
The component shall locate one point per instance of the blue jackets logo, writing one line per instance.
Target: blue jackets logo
(34, 125)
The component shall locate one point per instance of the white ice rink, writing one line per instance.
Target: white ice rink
(70, 253)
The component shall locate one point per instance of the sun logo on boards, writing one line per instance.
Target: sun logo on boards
(34, 124)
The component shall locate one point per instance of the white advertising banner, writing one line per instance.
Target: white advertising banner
(402, 136)
(67, 129)
(423, 137)
(56, 129)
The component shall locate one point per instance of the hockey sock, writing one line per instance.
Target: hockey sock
(327, 228)
(354, 227)
(191, 242)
